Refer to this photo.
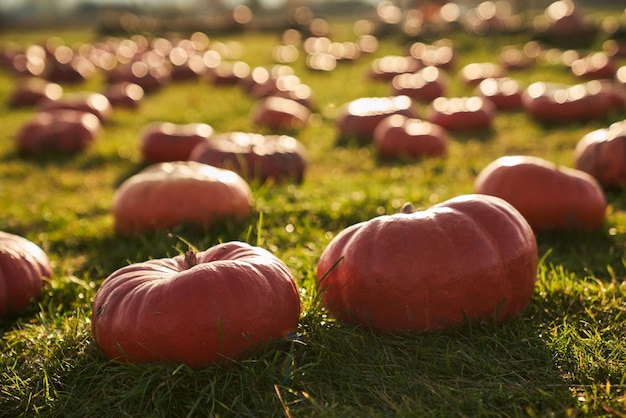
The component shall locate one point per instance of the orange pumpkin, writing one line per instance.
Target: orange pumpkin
(473, 257)
(196, 308)
(602, 153)
(166, 141)
(550, 197)
(399, 136)
(165, 195)
(24, 266)
(254, 156)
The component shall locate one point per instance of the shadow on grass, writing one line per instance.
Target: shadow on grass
(595, 253)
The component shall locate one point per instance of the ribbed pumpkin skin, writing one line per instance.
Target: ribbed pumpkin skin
(23, 268)
(166, 195)
(471, 257)
(235, 298)
(550, 197)
(602, 153)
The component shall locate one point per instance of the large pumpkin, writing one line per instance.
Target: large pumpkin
(462, 113)
(549, 196)
(165, 195)
(254, 156)
(23, 269)
(471, 257)
(197, 308)
(602, 153)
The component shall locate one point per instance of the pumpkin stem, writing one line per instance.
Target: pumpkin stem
(190, 258)
(407, 208)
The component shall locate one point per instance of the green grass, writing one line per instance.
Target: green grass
(565, 356)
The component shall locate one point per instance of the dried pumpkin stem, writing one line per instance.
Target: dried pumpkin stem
(190, 258)
(407, 208)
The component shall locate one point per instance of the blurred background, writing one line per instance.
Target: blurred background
(36, 13)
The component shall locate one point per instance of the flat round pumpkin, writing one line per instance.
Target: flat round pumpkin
(254, 156)
(602, 153)
(462, 113)
(550, 197)
(62, 131)
(473, 257)
(196, 308)
(166, 141)
(165, 195)
(358, 118)
(399, 136)
(24, 266)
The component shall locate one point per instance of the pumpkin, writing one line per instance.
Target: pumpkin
(387, 67)
(472, 74)
(124, 94)
(505, 93)
(196, 309)
(473, 257)
(462, 113)
(280, 114)
(602, 153)
(561, 103)
(550, 197)
(24, 266)
(399, 136)
(63, 131)
(95, 103)
(597, 65)
(166, 141)
(33, 90)
(165, 195)
(423, 86)
(254, 156)
(358, 118)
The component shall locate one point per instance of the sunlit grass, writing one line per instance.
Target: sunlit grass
(565, 356)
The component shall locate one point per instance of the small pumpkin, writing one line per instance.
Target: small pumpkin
(196, 309)
(358, 118)
(504, 92)
(550, 197)
(254, 156)
(33, 90)
(602, 153)
(280, 114)
(462, 113)
(166, 141)
(399, 136)
(423, 86)
(63, 131)
(165, 195)
(24, 267)
(473, 257)
(561, 103)
(95, 103)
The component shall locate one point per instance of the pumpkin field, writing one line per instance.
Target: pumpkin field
(330, 219)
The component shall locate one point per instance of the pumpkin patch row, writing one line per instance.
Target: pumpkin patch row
(473, 257)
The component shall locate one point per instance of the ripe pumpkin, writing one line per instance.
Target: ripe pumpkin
(399, 136)
(280, 114)
(23, 269)
(95, 103)
(358, 118)
(254, 156)
(196, 308)
(423, 86)
(462, 113)
(473, 257)
(165, 141)
(548, 196)
(602, 153)
(165, 195)
(64, 131)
